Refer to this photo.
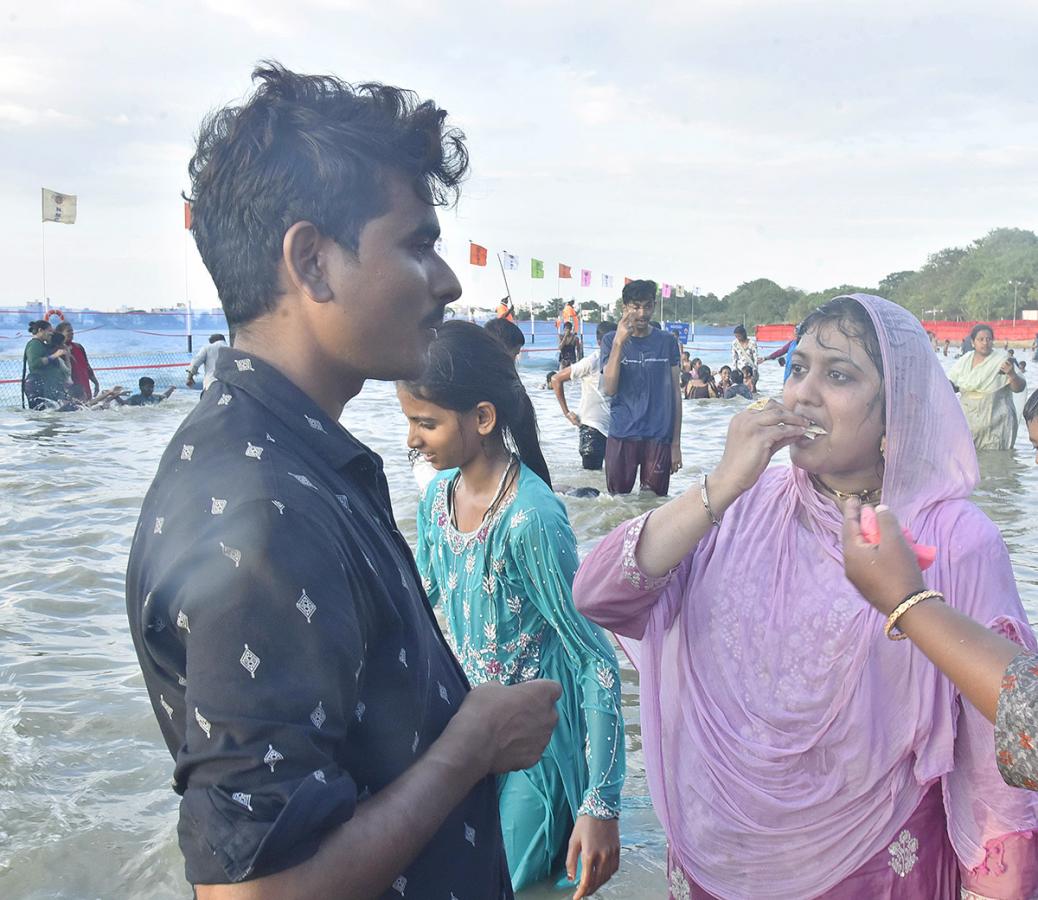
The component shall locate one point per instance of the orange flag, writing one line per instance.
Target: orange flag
(477, 254)
(565, 271)
(627, 281)
(187, 215)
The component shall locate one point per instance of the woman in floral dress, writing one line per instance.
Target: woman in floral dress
(498, 556)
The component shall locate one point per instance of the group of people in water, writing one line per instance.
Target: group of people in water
(822, 646)
(57, 375)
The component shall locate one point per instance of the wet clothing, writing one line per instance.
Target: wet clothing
(568, 350)
(987, 400)
(643, 406)
(777, 762)
(144, 399)
(591, 444)
(624, 457)
(738, 390)
(505, 593)
(290, 654)
(594, 405)
(45, 378)
(82, 373)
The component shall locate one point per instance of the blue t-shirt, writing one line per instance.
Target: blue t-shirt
(643, 406)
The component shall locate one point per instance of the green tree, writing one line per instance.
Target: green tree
(550, 310)
(759, 302)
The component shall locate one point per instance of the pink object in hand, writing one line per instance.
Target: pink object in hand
(924, 554)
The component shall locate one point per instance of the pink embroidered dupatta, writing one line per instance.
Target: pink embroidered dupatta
(786, 740)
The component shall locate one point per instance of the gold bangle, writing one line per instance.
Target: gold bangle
(903, 607)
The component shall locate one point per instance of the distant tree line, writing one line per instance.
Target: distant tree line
(984, 280)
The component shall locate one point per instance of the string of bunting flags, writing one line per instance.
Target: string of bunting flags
(478, 256)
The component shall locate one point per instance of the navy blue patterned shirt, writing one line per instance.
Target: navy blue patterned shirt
(291, 656)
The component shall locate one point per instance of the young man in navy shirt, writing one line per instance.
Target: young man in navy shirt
(641, 373)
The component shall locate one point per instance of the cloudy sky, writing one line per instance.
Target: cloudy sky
(705, 143)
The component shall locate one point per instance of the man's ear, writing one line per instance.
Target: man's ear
(304, 256)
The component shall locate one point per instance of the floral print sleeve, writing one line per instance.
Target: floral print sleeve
(422, 558)
(1016, 723)
(545, 552)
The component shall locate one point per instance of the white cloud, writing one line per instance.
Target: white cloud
(29, 116)
(706, 143)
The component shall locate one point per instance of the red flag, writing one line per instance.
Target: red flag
(187, 215)
(627, 281)
(565, 271)
(477, 254)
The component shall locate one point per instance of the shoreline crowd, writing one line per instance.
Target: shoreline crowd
(838, 683)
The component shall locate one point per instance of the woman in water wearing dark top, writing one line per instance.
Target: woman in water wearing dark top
(570, 349)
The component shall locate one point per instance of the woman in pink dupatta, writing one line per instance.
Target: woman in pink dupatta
(793, 751)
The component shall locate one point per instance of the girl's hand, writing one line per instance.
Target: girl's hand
(886, 572)
(596, 843)
(754, 436)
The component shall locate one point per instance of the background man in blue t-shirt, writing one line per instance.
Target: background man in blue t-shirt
(641, 373)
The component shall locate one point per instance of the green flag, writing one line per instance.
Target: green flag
(536, 268)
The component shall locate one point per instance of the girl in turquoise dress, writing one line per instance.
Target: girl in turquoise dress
(496, 551)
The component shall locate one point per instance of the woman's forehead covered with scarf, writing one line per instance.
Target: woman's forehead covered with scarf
(929, 453)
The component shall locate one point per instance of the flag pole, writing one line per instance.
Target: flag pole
(187, 299)
(508, 291)
(43, 254)
(558, 293)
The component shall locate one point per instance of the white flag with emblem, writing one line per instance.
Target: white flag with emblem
(510, 261)
(59, 207)
(607, 281)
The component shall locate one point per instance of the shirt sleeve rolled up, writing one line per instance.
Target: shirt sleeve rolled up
(274, 650)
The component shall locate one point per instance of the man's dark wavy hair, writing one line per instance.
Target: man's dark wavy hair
(313, 148)
(638, 291)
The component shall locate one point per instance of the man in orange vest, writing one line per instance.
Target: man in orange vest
(569, 314)
(505, 310)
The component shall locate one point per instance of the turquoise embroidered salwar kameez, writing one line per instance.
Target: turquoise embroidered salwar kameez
(505, 594)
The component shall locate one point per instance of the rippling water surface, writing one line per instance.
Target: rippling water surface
(84, 776)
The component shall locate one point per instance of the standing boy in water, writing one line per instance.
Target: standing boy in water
(593, 419)
(641, 375)
(206, 359)
(326, 741)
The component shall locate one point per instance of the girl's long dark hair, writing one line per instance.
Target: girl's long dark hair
(467, 367)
